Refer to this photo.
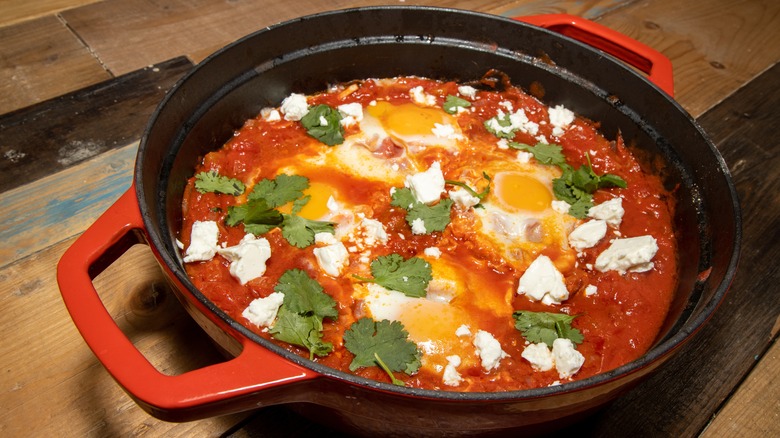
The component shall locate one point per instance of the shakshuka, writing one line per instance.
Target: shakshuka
(437, 235)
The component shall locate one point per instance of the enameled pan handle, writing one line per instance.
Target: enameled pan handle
(196, 394)
(646, 59)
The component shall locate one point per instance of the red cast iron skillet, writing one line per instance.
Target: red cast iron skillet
(306, 55)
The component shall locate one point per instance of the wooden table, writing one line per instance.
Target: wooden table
(79, 78)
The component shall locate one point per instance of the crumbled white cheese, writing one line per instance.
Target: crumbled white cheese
(418, 226)
(517, 121)
(467, 91)
(332, 257)
(445, 130)
(294, 107)
(462, 198)
(630, 254)
(524, 157)
(270, 114)
(591, 290)
(610, 211)
(432, 252)
(420, 97)
(489, 350)
(568, 360)
(203, 242)
(373, 232)
(543, 282)
(539, 355)
(351, 113)
(463, 330)
(503, 144)
(560, 119)
(451, 376)
(247, 259)
(588, 234)
(427, 186)
(262, 311)
(561, 207)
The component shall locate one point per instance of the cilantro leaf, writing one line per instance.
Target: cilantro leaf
(452, 103)
(385, 343)
(500, 126)
(280, 190)
(302, 294)
(212, 182)
(403, 198)
(546, 327)
(324, 123)
(544, 153)
(410, 276)
(576, 187)
(481, 195)
(305, 305)
(302, 330)
(253, 213)
(299, 231)
(435, 217)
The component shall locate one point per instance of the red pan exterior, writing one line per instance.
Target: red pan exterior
(307, 54)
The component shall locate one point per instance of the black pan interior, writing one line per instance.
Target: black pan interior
(308, 54)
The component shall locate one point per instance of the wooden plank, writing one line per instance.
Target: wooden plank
(710, 60)
(38, 215)
(680, 400)
(15, 11)
(52, 384)
(41, 59)
(738, 418)
(42, 139)
(146, 33)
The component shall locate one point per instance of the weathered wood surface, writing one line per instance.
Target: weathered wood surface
(52, 384)
(43, 138)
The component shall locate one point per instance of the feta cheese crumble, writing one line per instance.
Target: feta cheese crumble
(463, 330)
(418, 226)
(560, 119)
(270, 114)
(427, 186)
(451, 376)
(568, 360)
(489, 350)
(203, 242)
(543, 282)
(539, 356)
(351, 113)
(588, 234)
(462, 198)
(630, 254)
(610, 211)
(420, 97)
(247, 259)
(467, 91)
(332, 257)
(432, 252)
(262, 311)
(294, 107)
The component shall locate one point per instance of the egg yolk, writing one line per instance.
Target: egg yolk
(408, 119)
(522, 192)
(317, 207)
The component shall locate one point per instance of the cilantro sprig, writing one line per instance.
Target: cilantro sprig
(259, 215)
(452, 104)
(213, 182)
(410, 276)
(382, 343)
(546, 327)
(479, 195)
(305, 306)
(435, 217)
(575, 186)
(501, 126)
(323, 122)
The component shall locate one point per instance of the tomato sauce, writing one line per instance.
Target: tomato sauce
(619, 323)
